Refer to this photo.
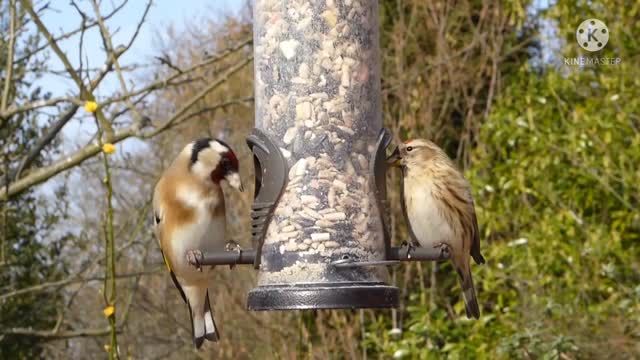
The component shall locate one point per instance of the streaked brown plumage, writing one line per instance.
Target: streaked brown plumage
(439, 208)
(189, 213)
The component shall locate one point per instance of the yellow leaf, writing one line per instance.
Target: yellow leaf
(109, 148)
(109, 310)
(90, 106)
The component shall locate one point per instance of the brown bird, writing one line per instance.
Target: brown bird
(439, 208)
(189, 214)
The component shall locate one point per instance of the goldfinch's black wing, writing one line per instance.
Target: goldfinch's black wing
(174, 278)
(157, 218)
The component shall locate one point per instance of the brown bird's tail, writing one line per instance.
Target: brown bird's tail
(203, 325)
(469, 293)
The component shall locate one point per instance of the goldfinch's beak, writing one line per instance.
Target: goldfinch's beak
(394, 159)
(235, 181)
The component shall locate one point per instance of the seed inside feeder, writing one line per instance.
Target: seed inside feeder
(314, 102)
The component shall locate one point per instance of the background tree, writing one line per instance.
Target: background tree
(550, 151)
(25, 259)
(68, 276)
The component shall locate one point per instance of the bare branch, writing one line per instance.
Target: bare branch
(14, 109)
(62, 121)
(12, 42)
(69, 34)
(162, 83)
(85, 93)
(108, 44)
(75, 280)
(166, 60)
(212, 108)
(40, 175)
(214, 84)
(56, 335)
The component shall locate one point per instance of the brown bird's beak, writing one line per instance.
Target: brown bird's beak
(395, 158)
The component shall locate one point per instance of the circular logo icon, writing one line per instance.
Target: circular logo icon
(592, 35)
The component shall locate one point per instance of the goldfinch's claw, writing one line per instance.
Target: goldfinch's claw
(194, 258)
(233, 246)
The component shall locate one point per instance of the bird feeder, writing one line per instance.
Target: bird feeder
(320, 224)
(317, 96)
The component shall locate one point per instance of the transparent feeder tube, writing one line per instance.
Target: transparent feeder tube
(317, 97)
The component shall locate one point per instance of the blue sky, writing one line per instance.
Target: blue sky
(162, 14)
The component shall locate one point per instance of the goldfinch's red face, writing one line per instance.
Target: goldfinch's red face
(214, 160)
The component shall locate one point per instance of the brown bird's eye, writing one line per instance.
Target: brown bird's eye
(409, 148)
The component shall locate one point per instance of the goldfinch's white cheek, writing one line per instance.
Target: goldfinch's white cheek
(219, 148)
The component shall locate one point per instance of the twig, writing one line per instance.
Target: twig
(167, 61)
(67, 35)
(12, 42)
(5, 212)
(51, 335)
(85, 93)
(159, 84)
(109, 292)
(108, 44)
(61, 283)
(214, 84)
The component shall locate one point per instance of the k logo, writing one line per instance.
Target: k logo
(592, 35)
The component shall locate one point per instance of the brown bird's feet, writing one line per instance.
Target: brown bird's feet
(445, 250)
(410, 247)
(233, 246)
(194, 258)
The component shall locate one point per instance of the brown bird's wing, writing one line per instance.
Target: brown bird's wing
(414, 239)
(475, 241)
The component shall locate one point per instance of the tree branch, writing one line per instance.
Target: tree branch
(69, 34)
(12, 42)
(75, 280)
(56, 335)
(42, 174)
(111, 53)
(85, 93)
(232, 70)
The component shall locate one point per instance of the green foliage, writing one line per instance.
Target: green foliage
(29, 262)
(557, 187)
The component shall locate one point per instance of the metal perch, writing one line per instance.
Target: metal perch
(397, 254)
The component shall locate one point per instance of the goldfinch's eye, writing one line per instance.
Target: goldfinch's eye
(225, 163)
(409, 148)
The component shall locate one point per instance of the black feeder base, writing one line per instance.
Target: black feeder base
(323, 296)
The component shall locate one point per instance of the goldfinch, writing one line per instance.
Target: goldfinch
(439, 208)
(189, 214)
